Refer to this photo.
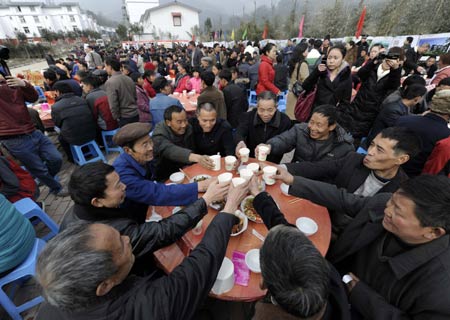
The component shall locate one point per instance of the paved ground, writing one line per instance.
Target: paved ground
(55, 207)
(38, 65)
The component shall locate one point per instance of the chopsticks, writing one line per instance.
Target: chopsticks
(258, 235)
(185, 174)
(294, 200)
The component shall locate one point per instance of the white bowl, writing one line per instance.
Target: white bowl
(252, 260)
(177, 177)
(243, 217)
(307, 226)
(284, 189)
(225, 278)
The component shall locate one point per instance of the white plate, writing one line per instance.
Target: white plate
(256, 219)
(193, 179)
(245, 223)
(252, 260)
(307, 226)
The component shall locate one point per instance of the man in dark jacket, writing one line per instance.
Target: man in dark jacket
(281, 74)
(72, 116)
(319, 139)
(396, 250)
(390, 112)
(235, 98)
(431, 127)
(365, 175)
(412, 59)
(84, 273)
(379, 78)
(211, 135)
(195, 55)
(314, 293)
(212, 94)
(261, 124)
(98, 193)
(174, 144)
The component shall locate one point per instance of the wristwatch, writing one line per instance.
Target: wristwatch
(347, 279)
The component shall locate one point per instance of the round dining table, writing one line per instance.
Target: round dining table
(188, 101)
(292, 208)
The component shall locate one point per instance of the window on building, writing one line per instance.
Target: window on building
(10, 18)
(176, 16)
(22, 19)
(72, 18)
(19, 9)
(36, 19)
(46, 17)
(33, 9)
(75, 28)
(26, 29)
(69, 9)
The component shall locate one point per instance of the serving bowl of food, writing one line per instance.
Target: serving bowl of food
(248, 209)
(241, 226)
(200, 177)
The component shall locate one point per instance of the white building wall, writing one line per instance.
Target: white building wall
(136, 8)
(161, 21)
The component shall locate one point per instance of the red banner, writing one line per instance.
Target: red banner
(265, 32)
(300, 27)
(360, 25)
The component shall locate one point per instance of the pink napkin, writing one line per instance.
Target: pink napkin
(241, 271)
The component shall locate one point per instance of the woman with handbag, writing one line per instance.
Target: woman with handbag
(332, 78)
(298, 72)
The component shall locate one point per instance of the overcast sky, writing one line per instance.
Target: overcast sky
(112, 8)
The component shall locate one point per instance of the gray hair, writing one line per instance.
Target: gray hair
(69, 269)
(267, 95)
(294, 271)
(207, 106)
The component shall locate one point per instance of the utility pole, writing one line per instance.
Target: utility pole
(254, 14)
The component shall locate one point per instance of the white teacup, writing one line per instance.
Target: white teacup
(216, 159)
(225, 177)
(269, 175)
(263, 151)
(237, 181)
(230, 162)
(225, 278)
(244, 153)
(254, 167)
(246, 174)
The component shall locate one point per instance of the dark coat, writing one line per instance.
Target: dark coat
(176, 296)
(430, 128)
(387, 117)
(253, 131)
(74, 117)
(219, 140)
(281, 76)
(415, 284)
(358, 117)
(410, 64)
(213, 95)
(338, 144)
(145, 238)
(236, 102)
(334, 93)
(337, 307)
(348, 172)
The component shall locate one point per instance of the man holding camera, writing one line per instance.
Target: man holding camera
(19, 135)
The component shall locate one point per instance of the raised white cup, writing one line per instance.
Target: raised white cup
(225, 177)
(237, 181)
(225, 278)
(254, 167)
(263, 151)
(246, 174)
(244, 153)
(230, 162)
(216, 159)
(269, 175)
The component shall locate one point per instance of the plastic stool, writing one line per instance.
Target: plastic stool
(25, 269)
(108, 143)
(30, 209)
(361, 150)
(252, 99)
(92, 154)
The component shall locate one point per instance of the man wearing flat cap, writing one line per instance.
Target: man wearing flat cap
(162, 100)
(135, 170)
(431, 127)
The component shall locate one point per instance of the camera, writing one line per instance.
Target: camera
(389, 56)
(4, 53)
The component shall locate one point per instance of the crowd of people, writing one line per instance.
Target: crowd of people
(389, 202)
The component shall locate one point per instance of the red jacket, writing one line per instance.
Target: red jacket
(14, 116)
(266, 76)
(149, 89)
(439, 159)
(183, 84)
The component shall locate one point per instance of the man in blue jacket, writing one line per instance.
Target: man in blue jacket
(135, 169)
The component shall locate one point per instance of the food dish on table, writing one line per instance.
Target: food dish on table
(241, 226)
(200, 177)
(217, 205)
(248, 209)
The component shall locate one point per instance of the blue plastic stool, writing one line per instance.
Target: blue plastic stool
(252, 99)
(108, 143)
(24, 270)
(30, 209)
(361, 150)
(41, 93)
(91, 153)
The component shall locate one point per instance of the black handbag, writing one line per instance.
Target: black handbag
(297, 88)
